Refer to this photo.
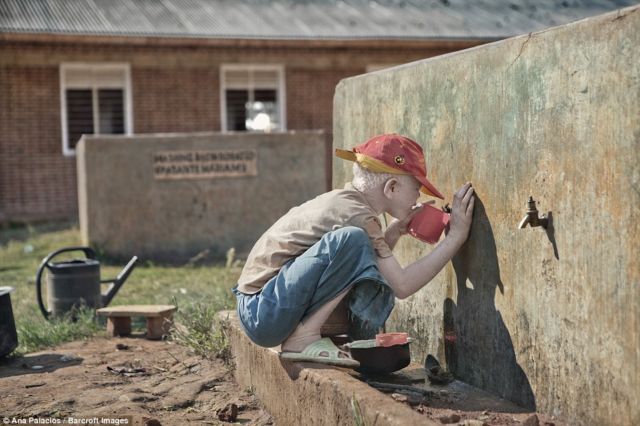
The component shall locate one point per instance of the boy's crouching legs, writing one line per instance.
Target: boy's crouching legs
(293, 306)
(308, 331)
(342, 243)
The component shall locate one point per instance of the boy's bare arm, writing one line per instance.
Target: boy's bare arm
(407, 281)
(392, 233)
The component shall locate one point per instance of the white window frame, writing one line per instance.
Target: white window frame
(280, 90)
(67, 151)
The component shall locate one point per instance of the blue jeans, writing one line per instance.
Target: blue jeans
(340, 260)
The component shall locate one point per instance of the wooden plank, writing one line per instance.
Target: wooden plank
(137, 310)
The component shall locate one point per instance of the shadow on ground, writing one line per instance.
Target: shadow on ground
(36, 364)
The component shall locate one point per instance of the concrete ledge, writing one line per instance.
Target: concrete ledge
(308, 393)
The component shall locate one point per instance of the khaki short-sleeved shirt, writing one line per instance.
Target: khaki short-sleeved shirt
(302, 226)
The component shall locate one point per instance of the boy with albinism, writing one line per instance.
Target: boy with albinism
(333, 247)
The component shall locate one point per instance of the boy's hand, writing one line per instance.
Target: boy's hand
(405, 281)
(461, 214)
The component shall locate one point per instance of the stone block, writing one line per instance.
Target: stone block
(181, 197)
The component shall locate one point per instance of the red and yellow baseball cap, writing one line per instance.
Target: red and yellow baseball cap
(392, 153)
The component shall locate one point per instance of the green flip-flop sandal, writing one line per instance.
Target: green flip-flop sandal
(322, 351)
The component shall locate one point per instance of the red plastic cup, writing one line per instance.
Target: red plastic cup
(428, 224)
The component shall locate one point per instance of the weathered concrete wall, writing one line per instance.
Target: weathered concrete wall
(549, 319)
(128, 207)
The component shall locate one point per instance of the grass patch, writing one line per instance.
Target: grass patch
(198, 328)
(198, 291)
(34, 335)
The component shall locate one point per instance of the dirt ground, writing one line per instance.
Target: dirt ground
(136, 381)
(144, 382)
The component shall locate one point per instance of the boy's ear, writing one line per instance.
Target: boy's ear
(390, 187)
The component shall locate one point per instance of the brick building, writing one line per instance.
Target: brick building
(141, 66)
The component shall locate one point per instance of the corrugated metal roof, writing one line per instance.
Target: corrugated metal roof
(297, 19)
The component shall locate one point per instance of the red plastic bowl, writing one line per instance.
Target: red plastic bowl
(390, 339)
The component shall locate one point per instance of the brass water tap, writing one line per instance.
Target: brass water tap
(532, 218)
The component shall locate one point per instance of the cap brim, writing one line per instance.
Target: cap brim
(346, 155)
(428, 188)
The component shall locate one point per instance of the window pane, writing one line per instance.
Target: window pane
(262, 114)
(111, 111)
(237, 79)
(265, 79)
(236, 109)
(79, 114)
(265, 95)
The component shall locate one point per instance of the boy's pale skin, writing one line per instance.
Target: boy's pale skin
(396, 197)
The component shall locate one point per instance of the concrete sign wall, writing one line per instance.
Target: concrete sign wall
(171, 197)
(547, 318)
